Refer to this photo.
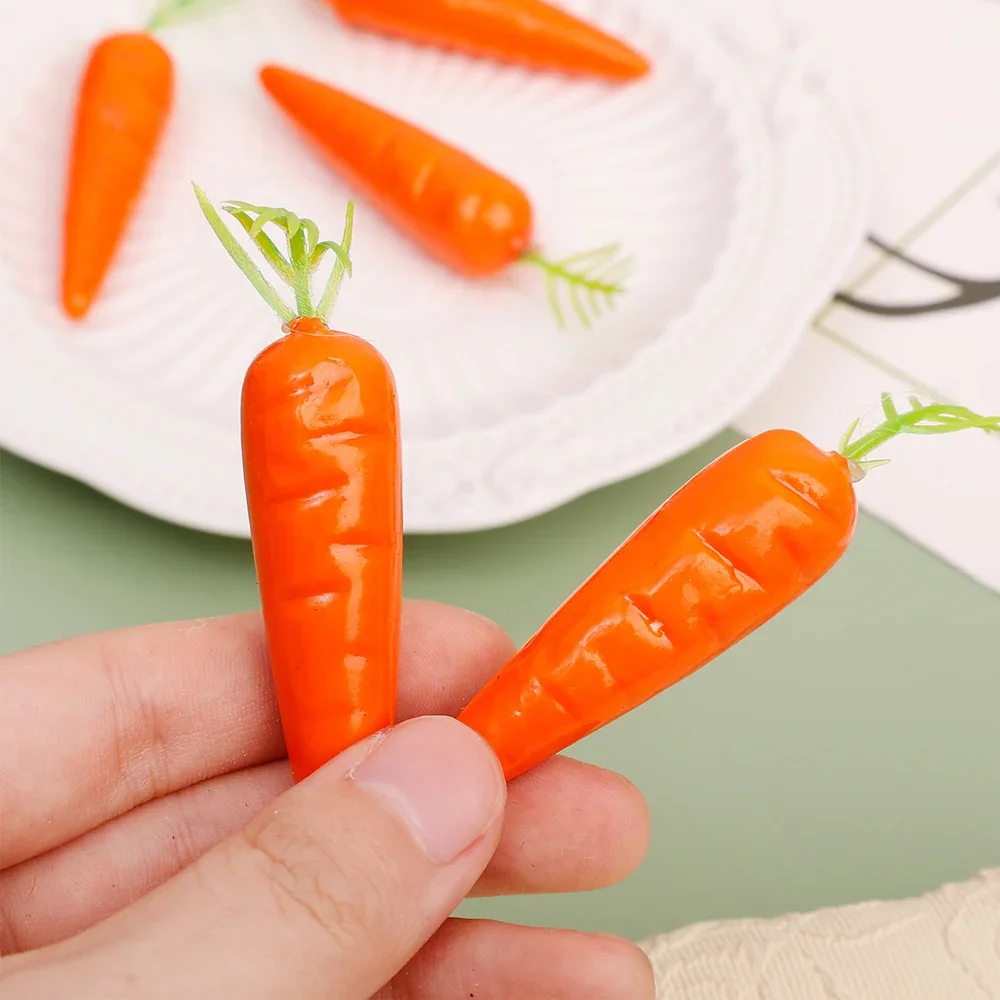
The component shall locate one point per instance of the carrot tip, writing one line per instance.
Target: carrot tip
(77, 305)
(640, 68)
(630, 65)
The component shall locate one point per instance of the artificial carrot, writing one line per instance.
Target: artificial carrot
(526, 32)
(321, 458)
(459, 210)
(742, 540)
(123, 105)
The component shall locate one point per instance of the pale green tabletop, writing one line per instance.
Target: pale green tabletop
(849, 749)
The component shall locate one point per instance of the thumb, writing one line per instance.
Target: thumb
(327, 894)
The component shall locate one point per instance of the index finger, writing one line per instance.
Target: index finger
(93, 727)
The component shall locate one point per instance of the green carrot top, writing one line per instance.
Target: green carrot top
(296, 267)
(170, 12)
(594, 280)
(920, 418)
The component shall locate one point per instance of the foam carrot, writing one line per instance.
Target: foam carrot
(527, 32)
(123, 105)
(742, 540)
(456, 208)
(321, 457)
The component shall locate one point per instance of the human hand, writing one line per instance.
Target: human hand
(151, 845)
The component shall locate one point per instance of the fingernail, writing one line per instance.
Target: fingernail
(441, 779)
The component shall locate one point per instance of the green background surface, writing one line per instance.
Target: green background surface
(850, 749)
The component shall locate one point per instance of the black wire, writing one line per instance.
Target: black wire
(971, 292)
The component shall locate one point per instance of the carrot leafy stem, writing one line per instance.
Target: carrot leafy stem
(170, 12)
(920, 418)
(304, 253)
(593, 280)
(342, 265)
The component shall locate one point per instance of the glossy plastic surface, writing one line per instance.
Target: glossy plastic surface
(528, 32)
(322, 468)
(739, 542)
(455, 207)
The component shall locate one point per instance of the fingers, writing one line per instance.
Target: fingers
(102, 723)
(328, 893)
(493, 961)
(92, 727)
(446, 655)
(568, 827)
(61, 893)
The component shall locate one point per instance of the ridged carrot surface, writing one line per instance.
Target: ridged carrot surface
(321, 461)
(727, 552)
(742, 540)
(528, 32)
(124, 102)
(455, 207)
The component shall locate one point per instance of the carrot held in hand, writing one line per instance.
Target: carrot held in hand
(124, 102)
(742, 540)
(321, 458)
(456, 208)
(527, 32)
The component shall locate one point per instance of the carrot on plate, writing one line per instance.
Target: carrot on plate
(742, 540)
(527, 32)
(123, 104)
(456, 208)
(321, 457)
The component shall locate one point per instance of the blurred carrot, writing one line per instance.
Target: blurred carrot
(459, 210)
(528, 32)
(124, 101)
(123, 107)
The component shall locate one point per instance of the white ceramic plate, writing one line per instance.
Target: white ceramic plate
(732, 175)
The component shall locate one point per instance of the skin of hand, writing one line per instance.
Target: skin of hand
(152, 844)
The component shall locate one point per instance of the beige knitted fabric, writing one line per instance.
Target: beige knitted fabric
(943, 946)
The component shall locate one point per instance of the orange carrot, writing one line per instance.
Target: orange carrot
(742, 540)
(123, 107)
(321, 459)
(459, 210)
(124, 102)
(321, 463)
(528, 32)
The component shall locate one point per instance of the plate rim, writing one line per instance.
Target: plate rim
(109, 473)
